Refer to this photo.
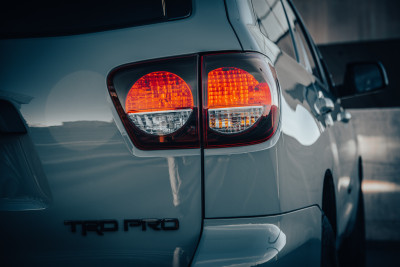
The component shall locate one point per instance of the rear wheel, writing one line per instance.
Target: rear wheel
(328, 246)
(329, 256)
(352, 251)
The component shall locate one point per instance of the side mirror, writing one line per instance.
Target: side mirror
(363, 77)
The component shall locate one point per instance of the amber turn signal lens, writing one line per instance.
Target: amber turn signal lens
(234, 87)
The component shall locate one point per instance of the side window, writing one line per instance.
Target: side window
(305, 56)
(273, 24)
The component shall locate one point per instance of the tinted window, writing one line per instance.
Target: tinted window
(46, 18)
(273, 24)
(305, 56)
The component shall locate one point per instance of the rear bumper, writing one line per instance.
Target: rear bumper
(290, 239)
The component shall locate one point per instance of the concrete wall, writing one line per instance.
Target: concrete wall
(378, 134)
(333, 21)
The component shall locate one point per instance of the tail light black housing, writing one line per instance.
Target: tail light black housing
(233, 98)
(240, 99)
(122, 82)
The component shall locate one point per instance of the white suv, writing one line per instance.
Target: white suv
(152, 133)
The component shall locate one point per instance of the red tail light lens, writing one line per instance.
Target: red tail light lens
(241, 99)
(159, 91)
(159, 103)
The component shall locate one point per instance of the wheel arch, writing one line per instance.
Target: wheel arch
(329, 200)
(360, 169)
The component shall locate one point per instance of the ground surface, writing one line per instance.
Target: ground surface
(383, 254)
(378, 132)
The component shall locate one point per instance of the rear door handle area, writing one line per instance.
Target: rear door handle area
(324, 105)
(344, 116)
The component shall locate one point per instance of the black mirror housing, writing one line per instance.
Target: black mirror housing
(363, 77)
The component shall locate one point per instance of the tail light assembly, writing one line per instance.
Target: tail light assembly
(211, 101)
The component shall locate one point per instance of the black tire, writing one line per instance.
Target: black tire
(352, 250)
(328, 244)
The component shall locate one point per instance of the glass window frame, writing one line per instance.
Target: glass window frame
(293, 53)
(322, 79)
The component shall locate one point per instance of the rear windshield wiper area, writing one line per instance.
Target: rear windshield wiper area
(20, 19)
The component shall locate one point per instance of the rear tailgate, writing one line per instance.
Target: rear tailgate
(71, 189)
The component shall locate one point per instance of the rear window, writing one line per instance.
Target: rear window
(36, 18)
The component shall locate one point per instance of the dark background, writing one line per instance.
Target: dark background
(357, 30)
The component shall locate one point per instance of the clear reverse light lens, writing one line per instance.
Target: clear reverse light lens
(160, 122)
(234, 120)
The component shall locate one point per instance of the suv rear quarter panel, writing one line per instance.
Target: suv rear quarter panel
(303, 151)
(307, 146)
